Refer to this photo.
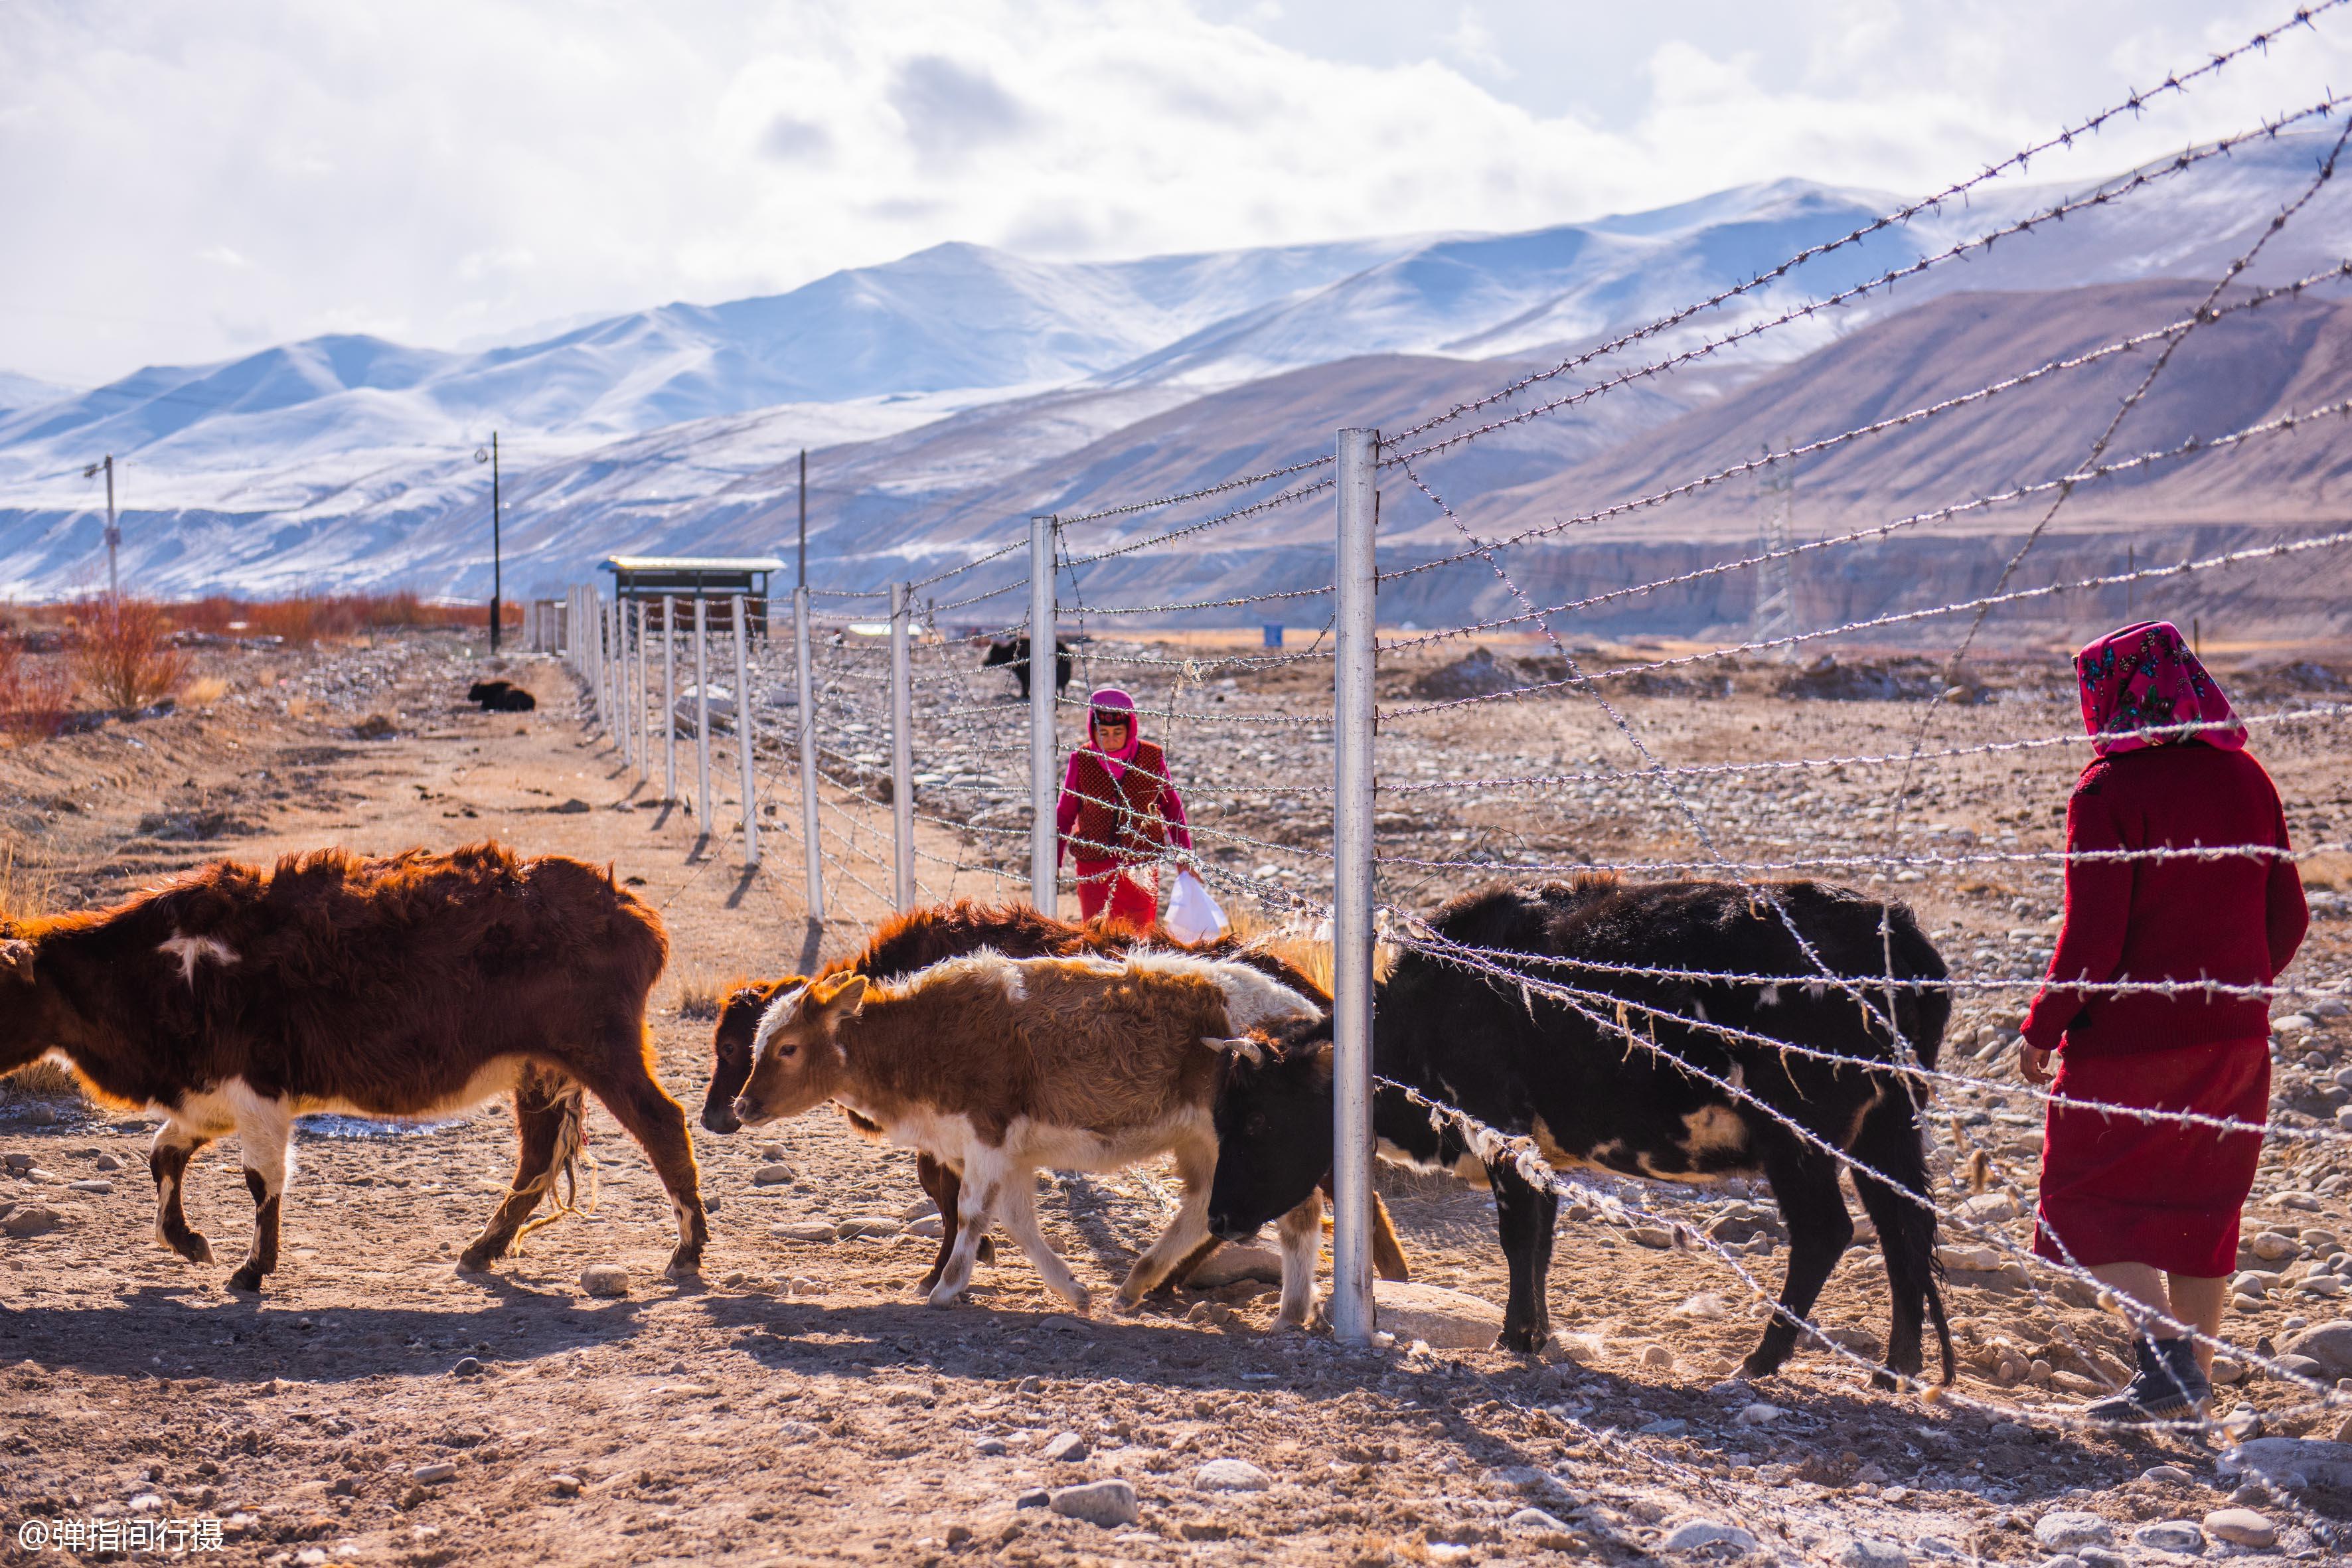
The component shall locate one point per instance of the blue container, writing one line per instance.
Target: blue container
(1274, 637)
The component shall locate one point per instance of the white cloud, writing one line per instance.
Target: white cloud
(449, 169)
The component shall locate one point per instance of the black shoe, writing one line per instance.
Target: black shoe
(2157, 1393)
(2182, 1355)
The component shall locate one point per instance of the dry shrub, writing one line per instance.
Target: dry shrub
(23, 891)
(205, 692)
(34, 693)
(309, 618)
(699, 997)
(121, 653)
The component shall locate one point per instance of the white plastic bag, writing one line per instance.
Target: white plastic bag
(1192, 916)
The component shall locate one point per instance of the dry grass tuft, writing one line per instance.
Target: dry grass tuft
(700, 996)
(205, 692)
(34, 693)
(23, 891)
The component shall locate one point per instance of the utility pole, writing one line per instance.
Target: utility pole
(113, 535)
(803, 580)
(491, 456)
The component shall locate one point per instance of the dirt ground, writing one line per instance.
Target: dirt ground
(798, 1404)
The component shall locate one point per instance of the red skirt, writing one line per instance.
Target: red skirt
(2166, 1193)
(1119, 894)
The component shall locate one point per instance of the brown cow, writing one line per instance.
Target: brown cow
(997, 1067)
(235, 999)
(921, 937)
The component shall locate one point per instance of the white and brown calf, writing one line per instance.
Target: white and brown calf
(1001, 1067)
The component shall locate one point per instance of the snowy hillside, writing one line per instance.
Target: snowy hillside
(957, 389)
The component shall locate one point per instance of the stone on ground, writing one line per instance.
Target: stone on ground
(804, 1230)
(1231, 1476)
(1065, 1448)
(2171, 1535)
(1106, 1503)
(772, 1176)
(604, 1279)
(1871, 1552)
(1536, 1519)
(35, 1219)
(2329, 1344)
(2293, 1462)
(1695, 1534)
(2063, 1529)
(1447, 1320)
(2240, 1527)
(1230, 1265)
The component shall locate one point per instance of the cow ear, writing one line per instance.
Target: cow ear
(844, 998)
(16, 959)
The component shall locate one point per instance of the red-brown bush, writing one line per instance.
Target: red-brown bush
(120, 655)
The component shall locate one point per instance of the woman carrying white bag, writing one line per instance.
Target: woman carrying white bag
(1121, 814)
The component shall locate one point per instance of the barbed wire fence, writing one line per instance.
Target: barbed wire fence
(924, 780)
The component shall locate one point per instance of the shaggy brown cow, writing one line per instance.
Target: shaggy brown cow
(235, 999)
(922, 937)
(998, 1066)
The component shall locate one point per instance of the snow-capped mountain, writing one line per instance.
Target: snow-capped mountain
(959, 387)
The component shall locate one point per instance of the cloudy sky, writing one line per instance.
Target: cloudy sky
(184, 183)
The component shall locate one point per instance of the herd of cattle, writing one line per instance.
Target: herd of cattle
(995, 1041)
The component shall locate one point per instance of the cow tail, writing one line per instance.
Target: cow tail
(1935, 1314)
(571, 1160)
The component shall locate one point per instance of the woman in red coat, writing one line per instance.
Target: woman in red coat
(1121, 812)
(2151, 1207)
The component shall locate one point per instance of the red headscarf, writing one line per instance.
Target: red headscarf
(2144, 677)
(1111, 700)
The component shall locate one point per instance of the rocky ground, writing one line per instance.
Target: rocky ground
(799, 1405)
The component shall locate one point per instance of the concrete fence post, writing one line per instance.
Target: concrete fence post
(902, 748)
(1044, 663)
(744, 748)
(1352, 1312)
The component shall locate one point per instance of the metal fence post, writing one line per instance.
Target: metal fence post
(744, 747)
(669, 699)
(607, 700)
(1043, 664)
(805, 674)
(625, 686)
(902, 748)
(1352, 1314)
(640, 720)
(702, 715)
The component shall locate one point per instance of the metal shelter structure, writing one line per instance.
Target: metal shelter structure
(717, 580)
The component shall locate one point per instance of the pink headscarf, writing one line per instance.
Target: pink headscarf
(2144, 677)
(1111, 700)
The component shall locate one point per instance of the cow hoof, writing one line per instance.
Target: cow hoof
(247, 1279)
(941, 1297)
(191, 1246)
(1520, 1341)
(477, 1259)
(685, 1266)
(1760, 1366)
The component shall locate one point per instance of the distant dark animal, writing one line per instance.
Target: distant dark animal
(932, 934)
(1573, 1083)
(997, 1067)
(1015, 653)
(501, 697)
(236, 998)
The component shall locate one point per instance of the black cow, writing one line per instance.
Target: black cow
(501, 697)
(1015, 653)
(1569, 1080)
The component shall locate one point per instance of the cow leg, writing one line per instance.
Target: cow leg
(944, 1187)
(983, 1179)
(1196, 1162)
(1301, 1231)
(265, 1131)
(1525, 1214)
(1388, 1253)
(549, 1130)
(1016, 1205)
(647, 1113)
(167, 1161)
(1890, 1144)
(1805, 1185)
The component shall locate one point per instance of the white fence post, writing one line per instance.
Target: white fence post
(1352, 1313)
(607, 700)
(669, 699)
(805, 674)
(1044, 662)
(640, 720)
(743, 740)
(902, 748)
(702, 715)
